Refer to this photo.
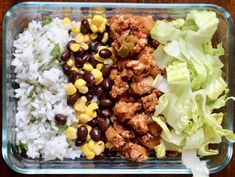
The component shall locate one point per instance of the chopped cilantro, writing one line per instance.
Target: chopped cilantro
(55, 54)
(61, 128)
(46, 21)
(22, 147)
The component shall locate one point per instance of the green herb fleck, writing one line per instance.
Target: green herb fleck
(61, 128)
(32, 92)
(46, 21)
(22, 147)
(55, 54)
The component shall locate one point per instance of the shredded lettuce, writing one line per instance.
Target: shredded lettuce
(196, 88)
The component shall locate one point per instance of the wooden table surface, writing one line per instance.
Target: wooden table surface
(229, 5)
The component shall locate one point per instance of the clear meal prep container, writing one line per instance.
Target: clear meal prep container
(17, 19)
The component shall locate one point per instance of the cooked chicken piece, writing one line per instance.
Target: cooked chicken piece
(150, 141)
(126, 98)
(134, 152)
(139, 123)
(143, 86)
(127, 134)
(124, 110)
(119, 87)
(149, 102)
(145, 63)
(129, 33)
(154, 129)
(114, 138)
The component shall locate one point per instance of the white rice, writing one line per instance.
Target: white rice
(41, 94)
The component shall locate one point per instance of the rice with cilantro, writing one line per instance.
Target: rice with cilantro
(41, 94)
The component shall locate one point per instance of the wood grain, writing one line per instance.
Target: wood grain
(229, 5)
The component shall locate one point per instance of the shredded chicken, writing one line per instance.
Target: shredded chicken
(143, 86)
(126, 110)
(139, 123)
(149, 102)
(126, 27)
(150, 141)
(114, 138)
(134, 152)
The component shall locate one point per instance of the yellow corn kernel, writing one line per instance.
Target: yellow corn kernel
(94, 28)
(98, 58)
(89, 21)
(84, 46)
(91, 144)
(101, 28)
(80, 104)
(105, 37)
(101, 47)
(89, 111)
(98, 80)
(79, 38)
(93, 36)
(70, 89)
(99, 66)
(70, 62)
(96, 73)
(99, 147)
(75, 69)
(108, 61)
(94, 114)
(90, 157)
(88, 128)
(71, 133)
(83, 89)
(93, 106)
(86, 38)
(79, 83)
(84, 118)
(86, 151)
(87, 66)
(74, 47)
(97, 20)
(76, 29)
(111, 49)
(66, 20)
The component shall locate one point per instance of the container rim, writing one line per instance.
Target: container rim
(112, 5)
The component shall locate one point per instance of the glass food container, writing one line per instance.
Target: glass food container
(18, 17)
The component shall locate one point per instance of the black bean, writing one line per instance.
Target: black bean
(105, 53)
(80, 53)
(89, 78)
(66, 69)
(74, 75)
(71, 99)
(106, 69)
(85, 27)
(107, 84)
(89, 96)
(60, 119)
(99, 113)
(101, 156)
(106, 113)
(95, 134)
(109, 42)
(69, 44)
(99, 37)
(102, 124)
(92, 61)
(79, 142)
(65, 55)
(79, 61)
(107, 28)
(96, 46)
(99, 90)
(89, 45)
(82, 133)
(110, 153)
(92, 122)
(105, 103)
